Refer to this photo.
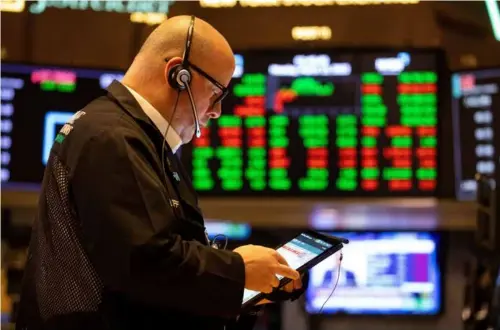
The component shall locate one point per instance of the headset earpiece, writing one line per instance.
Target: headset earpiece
(177, 75)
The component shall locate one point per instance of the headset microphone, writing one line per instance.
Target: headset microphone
(185, 80)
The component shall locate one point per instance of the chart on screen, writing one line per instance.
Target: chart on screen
(347, 124)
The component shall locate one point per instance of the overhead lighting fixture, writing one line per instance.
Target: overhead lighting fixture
(12, 6)
(376, 2)
(492, 6)
(218, 3)
(148, 18)
(307, 33)
(304, 3)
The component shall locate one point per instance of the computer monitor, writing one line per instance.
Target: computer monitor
(475, 103)
(37, 100)
(327, 122)
(382, 273)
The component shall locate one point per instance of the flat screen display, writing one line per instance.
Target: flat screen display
(297, 253)
(341, 123)
(334, 123)
(475, 103)
(384, 273)
(36, 102)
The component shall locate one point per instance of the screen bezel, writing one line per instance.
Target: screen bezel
(336, 243)
(457, 147)
(441, 239)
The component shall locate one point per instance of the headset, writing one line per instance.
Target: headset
(179, 76)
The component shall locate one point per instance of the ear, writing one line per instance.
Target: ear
(169, 65)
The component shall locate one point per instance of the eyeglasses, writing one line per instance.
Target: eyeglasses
(224, 90)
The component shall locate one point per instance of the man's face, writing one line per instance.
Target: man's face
(208, 81)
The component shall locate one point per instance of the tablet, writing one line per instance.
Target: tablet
(303, 252)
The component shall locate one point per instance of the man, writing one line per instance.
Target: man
(119, 241)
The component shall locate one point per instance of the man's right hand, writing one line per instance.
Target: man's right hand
(261, 267)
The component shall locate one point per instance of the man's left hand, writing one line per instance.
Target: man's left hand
(293, 285)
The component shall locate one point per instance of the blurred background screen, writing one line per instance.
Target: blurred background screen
(475, 98)
(360, 123)
(382, 273)
(48, 96)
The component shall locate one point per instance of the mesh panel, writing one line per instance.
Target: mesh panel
(66, 281)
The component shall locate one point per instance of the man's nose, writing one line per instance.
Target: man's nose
(215, 111)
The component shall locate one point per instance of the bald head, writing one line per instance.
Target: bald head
(169, 40)
(209, 51)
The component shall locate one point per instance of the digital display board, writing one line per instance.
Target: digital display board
(398, 270)
(36, 102)
(332, 123)
(475, 103)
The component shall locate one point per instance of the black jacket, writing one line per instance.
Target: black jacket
(119, 241)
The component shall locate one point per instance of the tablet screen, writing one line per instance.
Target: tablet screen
(297, 253)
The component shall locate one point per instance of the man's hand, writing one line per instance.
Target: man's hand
(261, 267)
(291, 286)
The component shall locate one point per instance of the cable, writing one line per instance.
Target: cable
(214, 241)
(185, 80)
(163, 152)
(163, 158)
(336, 282)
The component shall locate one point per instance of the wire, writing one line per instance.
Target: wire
(214, 241)
(336, 282)
(163, 151)
(165, 172)
(185, 80)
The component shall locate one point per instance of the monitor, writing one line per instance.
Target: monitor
(475, 102)
(333, 123)
(36, 102)
(382, 273)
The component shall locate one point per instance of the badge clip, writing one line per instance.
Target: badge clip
(176, 177)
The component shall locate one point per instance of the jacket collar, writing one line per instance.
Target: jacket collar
(128, 102)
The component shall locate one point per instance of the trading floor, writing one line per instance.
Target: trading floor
(374, 121)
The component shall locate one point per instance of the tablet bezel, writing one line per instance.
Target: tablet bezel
(337, 245)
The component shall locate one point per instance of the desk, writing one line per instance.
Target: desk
(380, 214)
(338, 214)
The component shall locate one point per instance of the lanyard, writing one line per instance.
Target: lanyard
(168, 171)
(175, 179)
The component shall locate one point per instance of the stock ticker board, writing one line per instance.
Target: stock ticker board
(475, 104)
(36, 102)
(354, 124)
(348, 124)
